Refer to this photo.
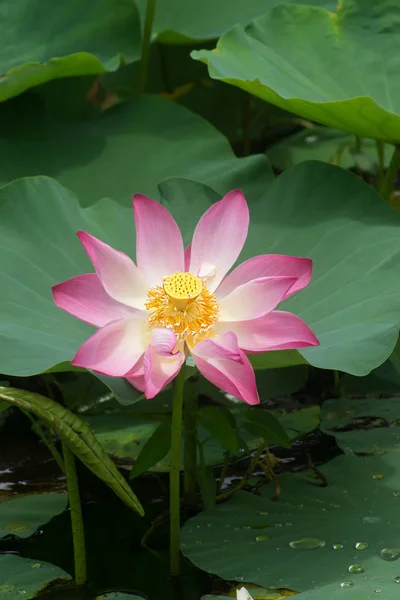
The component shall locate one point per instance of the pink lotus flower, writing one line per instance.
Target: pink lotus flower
(151, 314)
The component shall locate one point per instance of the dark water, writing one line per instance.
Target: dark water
(116, 560)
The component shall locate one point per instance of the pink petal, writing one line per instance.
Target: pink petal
(161, 364)
(233, 377)
(114, 349)
(188, 253)
(159, 245)
(279, 330)
(268, 265)
(136, 375)
(117, 272)
(225, 347)
(254, 299)
(219, 236)
(85, 298)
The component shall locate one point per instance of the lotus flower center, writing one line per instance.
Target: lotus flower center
(182, 288)
(184, 304)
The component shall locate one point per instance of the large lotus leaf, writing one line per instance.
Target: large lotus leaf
(330, 215)
(307, 541)
(314, 209)
(177, 21)
(368, 425)
(127, 150)
(22, 516)
(329, 145)
(340, 68)
(25, 578)
(43, 41)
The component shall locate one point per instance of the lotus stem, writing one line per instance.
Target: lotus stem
(175, 464)
(190, 442)
(144, 61)
(78, 533)
(391, 175)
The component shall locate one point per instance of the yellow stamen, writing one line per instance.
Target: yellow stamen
(183, 304)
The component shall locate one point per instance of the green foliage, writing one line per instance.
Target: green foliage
(353, 322)
(350, 82)
(329, 145)
(262, 423)
(220, 423)
(248, 538)
(180, 21)
(40, 42)
(79, 438)
(356, 326)
(124, 438)
(154, 450)
(23, 515)
(24, 577)
(368, 425)
(127, 150)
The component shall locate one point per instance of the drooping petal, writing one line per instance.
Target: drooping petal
(279, 330)
(224, 347)
(161, 363)
(136, 375)
(254, 299)
(117, 272)
(219, 237)
(268, 265)
(233, 376)
(188, 253)
(115, 349)
(85, 298)
(159, 245)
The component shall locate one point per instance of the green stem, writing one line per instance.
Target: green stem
(380, 151)
(78, 533)
(391, 174)
(174, 476)
(144, 61)
(190, 443)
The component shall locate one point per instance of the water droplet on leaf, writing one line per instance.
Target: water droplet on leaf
(337, 546)
(377, 590)
(346, 584)
(396, 494)
(356, 569)
(361, 545)
(390, 554)
(377, 476)
(307, 544)
(397, 579)
(262, 538)
(36, 566)
(371, 519)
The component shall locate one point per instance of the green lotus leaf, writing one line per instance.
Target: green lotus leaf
(315, 538)
(25, 578)
(43, 41)
(339, 68)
